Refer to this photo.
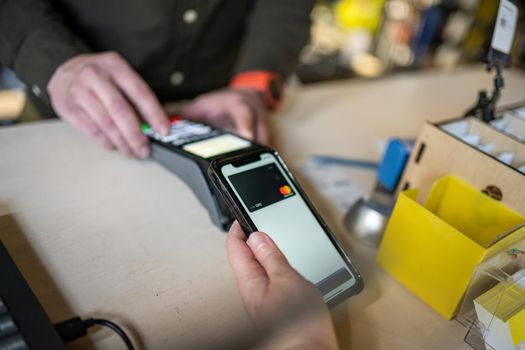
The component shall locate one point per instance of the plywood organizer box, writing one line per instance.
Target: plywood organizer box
(469, 149)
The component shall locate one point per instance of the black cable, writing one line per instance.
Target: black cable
(113, 326)
(485, 108)
(75, 328)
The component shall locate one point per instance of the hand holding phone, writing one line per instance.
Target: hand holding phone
(264, 196)
(287, 310)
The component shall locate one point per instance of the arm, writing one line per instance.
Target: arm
(276, 32)
(98, 93)
(34, 41)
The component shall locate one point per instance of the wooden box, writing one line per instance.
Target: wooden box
(491, 157)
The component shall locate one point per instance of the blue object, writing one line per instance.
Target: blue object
(393, 163)
(8, 79)
(430, 23)
(355, 163)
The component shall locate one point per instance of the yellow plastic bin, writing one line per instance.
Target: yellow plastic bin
(433, 250)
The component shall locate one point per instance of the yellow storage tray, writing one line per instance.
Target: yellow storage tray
(433, 249)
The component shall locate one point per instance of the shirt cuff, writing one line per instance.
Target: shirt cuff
(41, 53)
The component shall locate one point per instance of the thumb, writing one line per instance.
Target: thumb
(243, 119)
(193, 112)
(268, 255)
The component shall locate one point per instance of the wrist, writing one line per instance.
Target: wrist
(302, 333)
(251, 93)
(268, 85)
(302, 341)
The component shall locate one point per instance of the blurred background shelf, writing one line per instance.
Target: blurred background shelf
(369, 39)
(373, 38)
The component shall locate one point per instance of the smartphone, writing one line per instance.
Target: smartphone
(264, 196)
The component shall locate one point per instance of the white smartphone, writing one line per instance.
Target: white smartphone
(264, 196)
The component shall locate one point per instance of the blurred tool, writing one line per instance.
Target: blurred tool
(357, 163)
(366, 219)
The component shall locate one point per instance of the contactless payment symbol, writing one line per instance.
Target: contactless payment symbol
(285, 190)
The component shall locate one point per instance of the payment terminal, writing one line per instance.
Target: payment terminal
(187, 152)
(251, 183)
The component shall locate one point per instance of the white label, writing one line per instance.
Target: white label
(505, 27)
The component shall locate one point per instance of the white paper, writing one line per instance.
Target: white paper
(506, 157)
(473, 139)
(505, 27)
(487, 148)
(332, 184)
(502, 122)
(456, 128)
(520, 112)
(519, 278)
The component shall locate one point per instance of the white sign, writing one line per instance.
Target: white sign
(505, 27)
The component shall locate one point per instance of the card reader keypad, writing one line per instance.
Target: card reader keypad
(182, 131)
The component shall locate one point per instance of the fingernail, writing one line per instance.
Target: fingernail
(165, 131)
(256, 241)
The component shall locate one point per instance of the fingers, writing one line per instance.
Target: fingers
(243, 119)
(96, 113)
(249, 274)
(194, 111)
(262, 133)
(139, 92)
(103, 102)
(81, 120)
(109, 94)
(236, 232)
(241, 109)
(116, 114)
(268, 255)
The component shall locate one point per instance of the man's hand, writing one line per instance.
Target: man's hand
(279, 301)
(240, 109)
(105, 98)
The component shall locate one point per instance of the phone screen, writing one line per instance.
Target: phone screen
(275, 206)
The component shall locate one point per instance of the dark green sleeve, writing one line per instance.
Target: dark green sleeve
(34, 41)
(277, 32)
